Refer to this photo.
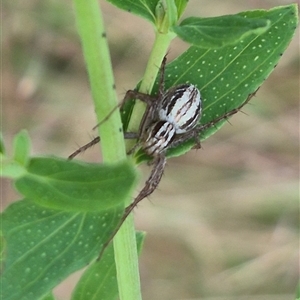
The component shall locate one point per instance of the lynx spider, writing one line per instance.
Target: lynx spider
(171, 118)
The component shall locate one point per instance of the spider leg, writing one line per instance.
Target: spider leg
(130, 94)
(226, 115)
(131, 135)
(133, 148)
(93, 142)
(197, 141)
(150, 186)
(161, 85)
(151, 183)
(96, 140)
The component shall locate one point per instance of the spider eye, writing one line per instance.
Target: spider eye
(181, 106)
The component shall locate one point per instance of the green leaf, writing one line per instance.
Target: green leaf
(76, 186)
(226, 76)
(181, 5)
(11, 169)
(142, 8)
(2, 147)
(217, 32)
(298, 291)
(99, 281)
(15, 167)
(48, 297)
(172, 13)
(2, 248)
(44, 246)
(21, 148)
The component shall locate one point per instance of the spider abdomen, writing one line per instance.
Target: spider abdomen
(181, 106)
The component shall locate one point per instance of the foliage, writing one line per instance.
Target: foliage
(70, 208)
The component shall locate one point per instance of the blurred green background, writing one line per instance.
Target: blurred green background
(224, 222)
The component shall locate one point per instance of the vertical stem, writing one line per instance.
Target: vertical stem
(160, 47)
(159, 50)
(96, 54)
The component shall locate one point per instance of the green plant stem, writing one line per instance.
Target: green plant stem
(159, 50)
(160, 47)
(96, 54)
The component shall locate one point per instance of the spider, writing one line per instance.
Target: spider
(171, 118)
